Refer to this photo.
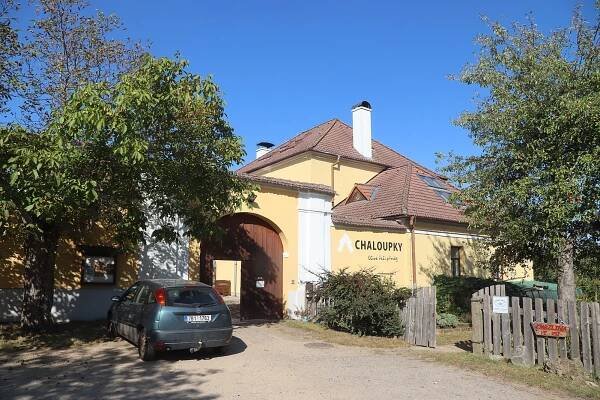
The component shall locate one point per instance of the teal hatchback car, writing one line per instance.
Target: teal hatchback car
(169, 314)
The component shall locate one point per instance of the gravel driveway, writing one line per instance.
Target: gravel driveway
(264, 362)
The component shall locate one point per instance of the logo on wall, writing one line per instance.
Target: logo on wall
(346, 242)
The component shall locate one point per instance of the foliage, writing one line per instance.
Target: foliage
(363, 303)
(534, 187)
(68, 46)
(453, 294)
(446, 320)
(9, 48)
(156, 145)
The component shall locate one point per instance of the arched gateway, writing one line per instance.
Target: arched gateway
(258, 246)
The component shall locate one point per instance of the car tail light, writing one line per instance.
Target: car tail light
(219, 297)
(161, 296)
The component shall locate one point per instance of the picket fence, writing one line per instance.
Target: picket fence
(418, 317)
(511, 335)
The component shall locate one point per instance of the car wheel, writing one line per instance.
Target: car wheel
(145, 348)
(111, 330)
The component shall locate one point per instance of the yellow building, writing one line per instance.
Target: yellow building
(329, 198)
(336, 198)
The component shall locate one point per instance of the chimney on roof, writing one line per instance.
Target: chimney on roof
(361, 128)
(263, 148)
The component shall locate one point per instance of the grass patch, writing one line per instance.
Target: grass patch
(325, 334)
(572, 386)
(13, 338)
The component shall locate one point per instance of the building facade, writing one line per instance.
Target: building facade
(329, 198)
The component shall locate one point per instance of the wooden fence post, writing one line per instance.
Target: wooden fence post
(496, 328)
(528, 339)
(586, 348)
(487, 325)
(574, 332)
(552, 342)
(432, 317)
(516, 326)
(563, 319)
(506, 337)
(595, 308)
(540, 341)
(477, 324)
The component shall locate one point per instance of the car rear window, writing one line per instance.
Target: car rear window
(191, 296)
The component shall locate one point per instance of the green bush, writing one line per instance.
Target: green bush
(446, 320)
(454, 293)
(362, 303)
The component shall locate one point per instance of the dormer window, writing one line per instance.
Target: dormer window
(362, 192)
(356, 195)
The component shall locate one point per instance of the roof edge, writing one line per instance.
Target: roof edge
(300, 186)
(368, 223)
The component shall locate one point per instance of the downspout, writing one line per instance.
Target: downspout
(335, 165)
(411, 225)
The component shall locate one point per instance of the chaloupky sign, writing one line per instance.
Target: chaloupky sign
(550, 330)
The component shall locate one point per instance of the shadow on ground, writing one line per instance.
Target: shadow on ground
(59, 336)
(108, 370)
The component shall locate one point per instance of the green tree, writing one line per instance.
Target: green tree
(154, 144)
(534, 188)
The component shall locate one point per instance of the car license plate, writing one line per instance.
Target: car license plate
(191, 319)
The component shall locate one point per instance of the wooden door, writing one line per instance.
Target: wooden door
(257, 244)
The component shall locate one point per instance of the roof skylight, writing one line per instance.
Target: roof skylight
(432, 182)
(437, 187)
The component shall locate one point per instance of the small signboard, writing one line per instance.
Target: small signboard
(550, 330)
(260, 284)
(500, 304)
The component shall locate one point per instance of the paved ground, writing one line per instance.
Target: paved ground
(264, 362)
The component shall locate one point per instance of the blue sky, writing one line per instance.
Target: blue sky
(285, 66)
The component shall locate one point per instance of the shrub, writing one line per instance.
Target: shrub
(446, 320)
(362, 303)
(454, 293)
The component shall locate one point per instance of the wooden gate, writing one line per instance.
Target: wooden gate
(511, 334)
(418, 317)
(257, 245)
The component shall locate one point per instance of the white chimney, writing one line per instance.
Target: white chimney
(263, 148)
(361, 128)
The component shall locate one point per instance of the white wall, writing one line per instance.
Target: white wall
(85, 304)
(164, 260)
(314, 244)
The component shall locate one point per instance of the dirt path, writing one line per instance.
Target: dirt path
(264, 362)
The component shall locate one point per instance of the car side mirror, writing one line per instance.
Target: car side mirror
(115, 299)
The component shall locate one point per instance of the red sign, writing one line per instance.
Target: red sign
(551, 330)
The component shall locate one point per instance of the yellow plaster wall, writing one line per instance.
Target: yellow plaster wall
(311, 167)
(301, 168)
(433, 242)
(67, 273)
(228, 270)
(396, 264)
(349, 173)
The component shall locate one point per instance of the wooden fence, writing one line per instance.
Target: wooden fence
(512, 336)
(418, 316)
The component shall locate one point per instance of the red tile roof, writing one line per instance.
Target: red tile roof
(400, 190)
(333, 137)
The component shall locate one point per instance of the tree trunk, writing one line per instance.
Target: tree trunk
(38, 279)
(566, 272)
